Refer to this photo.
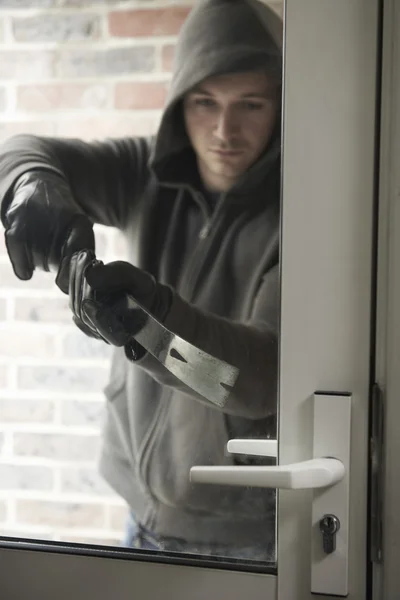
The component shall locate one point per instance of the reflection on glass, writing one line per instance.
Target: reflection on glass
(187, 225)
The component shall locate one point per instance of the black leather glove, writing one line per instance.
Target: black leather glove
(100, 305)
(43, 225)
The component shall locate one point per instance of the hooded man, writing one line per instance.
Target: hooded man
(199, 208)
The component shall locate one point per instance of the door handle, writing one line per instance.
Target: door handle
(256, 447)
(308, 474)
(328, 468)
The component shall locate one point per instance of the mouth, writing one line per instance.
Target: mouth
(227, 153)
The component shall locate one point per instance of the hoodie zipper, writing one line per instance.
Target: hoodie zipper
(199, 256)
(205, 230)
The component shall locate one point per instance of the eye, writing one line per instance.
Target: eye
(253, 106)
(206, 102)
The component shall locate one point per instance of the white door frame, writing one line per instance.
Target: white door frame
(386, 574)
(328, 187)
(328, 190)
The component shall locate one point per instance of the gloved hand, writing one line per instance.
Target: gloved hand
(100, 304)
(43, 225)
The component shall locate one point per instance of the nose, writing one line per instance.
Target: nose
(227, 125)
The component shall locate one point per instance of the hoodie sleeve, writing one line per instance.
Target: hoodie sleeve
(105, 177)
(252, 347)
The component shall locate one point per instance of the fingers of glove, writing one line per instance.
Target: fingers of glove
(17, 237)
(133, 319)
(33, 225)
(80, 236)
(19, 254)
(122, 276)
(107, 322)
(125, 317)
(43, 225)
(86, 330)
(79, 289)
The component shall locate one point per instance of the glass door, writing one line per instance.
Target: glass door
(330, 53)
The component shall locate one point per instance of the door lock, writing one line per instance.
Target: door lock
(329, 526)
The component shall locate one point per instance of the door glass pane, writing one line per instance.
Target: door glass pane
(196, 211)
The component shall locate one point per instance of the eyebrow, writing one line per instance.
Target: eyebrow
(200, 90)
(254, 95)
(258, 96)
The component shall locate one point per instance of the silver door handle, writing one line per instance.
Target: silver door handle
(309, 474)
(255, 447)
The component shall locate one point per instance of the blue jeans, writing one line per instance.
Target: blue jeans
(137, 536)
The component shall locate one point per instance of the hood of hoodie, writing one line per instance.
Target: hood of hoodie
(217, 38)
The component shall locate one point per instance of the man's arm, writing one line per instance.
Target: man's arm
(100, 302)
(252, 347)
(105, 178)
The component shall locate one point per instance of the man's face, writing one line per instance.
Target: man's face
(229, 120)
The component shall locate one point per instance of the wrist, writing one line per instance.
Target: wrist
(162, 302)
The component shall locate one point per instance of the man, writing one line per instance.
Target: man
(199, 206)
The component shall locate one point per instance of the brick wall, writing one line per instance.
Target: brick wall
(67, 68)
(70, 68)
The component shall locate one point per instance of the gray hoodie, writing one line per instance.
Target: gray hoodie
(222, 263)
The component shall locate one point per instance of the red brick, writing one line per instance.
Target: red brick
(93, 62)
(61, 96)
(139, 96)
(167, 57)
(56, 27)
(139, 23)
